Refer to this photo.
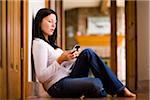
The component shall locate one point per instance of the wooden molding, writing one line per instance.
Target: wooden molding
(25, 48)
(59, 11)
(114, 36)
(131, 44)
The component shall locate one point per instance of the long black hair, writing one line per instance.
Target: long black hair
(37, 33)
(36, 30)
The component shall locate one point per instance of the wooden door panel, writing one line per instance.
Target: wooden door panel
(3, 76)
(16, 37)
(13, 49)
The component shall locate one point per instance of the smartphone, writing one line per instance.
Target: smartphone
(75, 48)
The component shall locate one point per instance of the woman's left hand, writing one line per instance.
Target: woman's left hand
(76, 53)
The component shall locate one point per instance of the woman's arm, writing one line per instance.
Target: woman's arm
(66, 56)
(40, 55)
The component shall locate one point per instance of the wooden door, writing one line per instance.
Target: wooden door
(13, 49)
(3, 67)
(10, 69)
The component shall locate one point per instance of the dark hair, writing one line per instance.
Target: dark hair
(37, 32)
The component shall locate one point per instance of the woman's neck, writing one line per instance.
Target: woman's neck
(46, 37)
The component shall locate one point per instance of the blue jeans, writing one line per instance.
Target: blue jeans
(78, 83)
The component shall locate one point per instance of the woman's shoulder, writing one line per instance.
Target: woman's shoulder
(38, 40)
(39, 43)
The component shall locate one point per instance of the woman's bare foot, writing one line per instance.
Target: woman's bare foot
(126, 93)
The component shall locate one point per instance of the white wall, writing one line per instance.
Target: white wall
(143, 39)
(34, 6)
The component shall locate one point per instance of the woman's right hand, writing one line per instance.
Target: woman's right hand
(65, 56)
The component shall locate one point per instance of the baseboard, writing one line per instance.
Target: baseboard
(143, 85)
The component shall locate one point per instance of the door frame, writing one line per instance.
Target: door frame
(131, 44)
(24, 47)
(131, 84)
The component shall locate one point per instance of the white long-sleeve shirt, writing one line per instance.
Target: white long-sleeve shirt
(48, 70)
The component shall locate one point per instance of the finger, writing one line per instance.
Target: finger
(71, 56)
(76, 53)
(79, 49)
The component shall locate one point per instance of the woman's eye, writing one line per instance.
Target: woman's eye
(52, 21)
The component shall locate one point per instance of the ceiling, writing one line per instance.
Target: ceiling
(70, 4)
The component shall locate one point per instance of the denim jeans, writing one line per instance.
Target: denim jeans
(78, 83)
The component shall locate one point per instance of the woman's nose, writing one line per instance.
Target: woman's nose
(53, 25)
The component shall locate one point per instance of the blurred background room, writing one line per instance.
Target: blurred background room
(117, 30)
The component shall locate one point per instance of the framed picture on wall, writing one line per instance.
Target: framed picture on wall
(98, 25)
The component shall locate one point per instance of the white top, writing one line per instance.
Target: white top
(48, 70)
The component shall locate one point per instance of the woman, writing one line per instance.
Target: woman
(65, 73)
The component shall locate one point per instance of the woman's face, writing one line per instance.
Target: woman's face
(48, 25)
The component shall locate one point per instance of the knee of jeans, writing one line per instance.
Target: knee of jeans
(98, 89)
(88, 50)
(96, 84)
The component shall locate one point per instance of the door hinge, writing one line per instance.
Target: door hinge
(21, 53)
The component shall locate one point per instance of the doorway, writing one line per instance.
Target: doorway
(89, 24)
(71, 33)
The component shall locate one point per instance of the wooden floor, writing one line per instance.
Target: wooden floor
(140, 96)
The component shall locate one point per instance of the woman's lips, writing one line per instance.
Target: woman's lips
(52, 30)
